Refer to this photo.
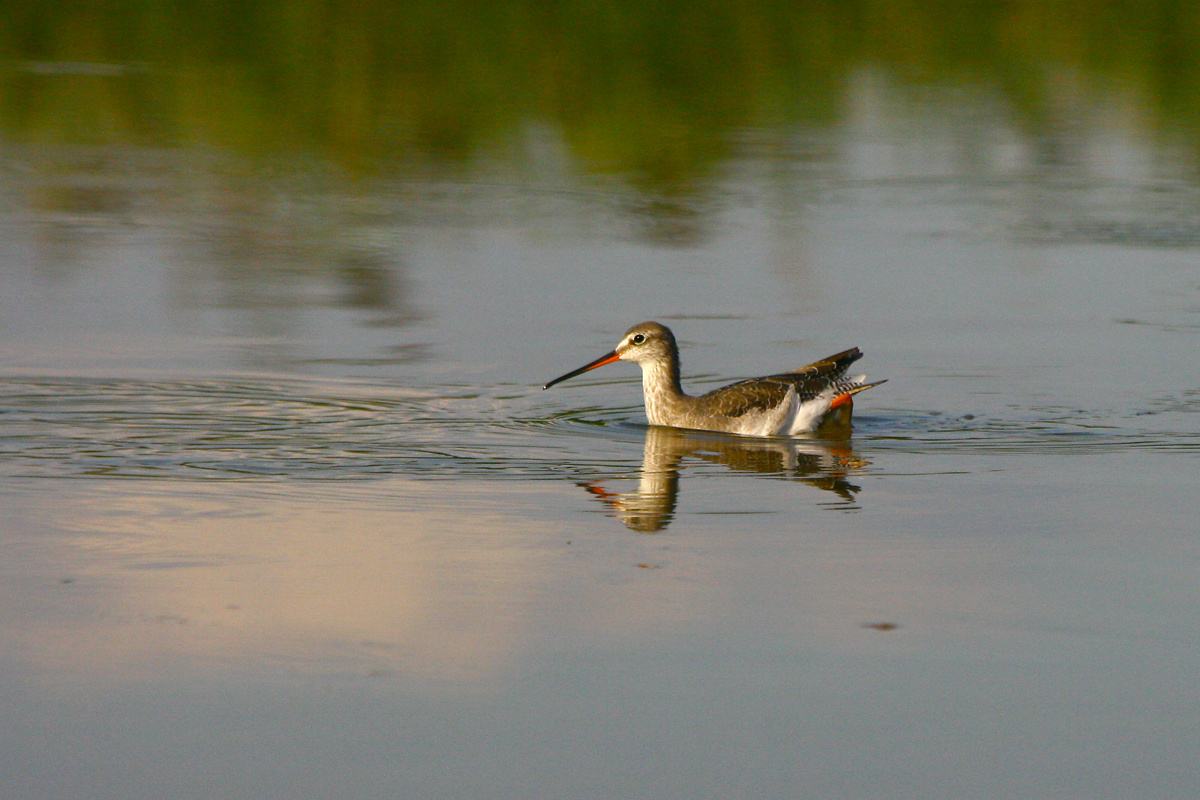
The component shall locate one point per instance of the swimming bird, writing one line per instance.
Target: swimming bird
(786, 404)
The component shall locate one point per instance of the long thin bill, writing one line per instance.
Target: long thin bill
(607, 358)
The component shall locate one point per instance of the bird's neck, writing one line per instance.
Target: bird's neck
(662, 390)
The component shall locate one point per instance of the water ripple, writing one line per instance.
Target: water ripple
(197, 430)
(268, 429)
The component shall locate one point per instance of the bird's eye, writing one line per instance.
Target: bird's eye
(639, 338)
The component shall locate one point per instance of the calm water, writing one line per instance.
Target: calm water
(285, 513)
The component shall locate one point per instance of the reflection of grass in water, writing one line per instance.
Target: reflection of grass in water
(649, 91)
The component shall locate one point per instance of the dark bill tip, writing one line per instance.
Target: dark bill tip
(607, 358)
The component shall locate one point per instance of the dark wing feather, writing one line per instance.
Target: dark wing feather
(829, 369)
(762, 394)
(818, 376)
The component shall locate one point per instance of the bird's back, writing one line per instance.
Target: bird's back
(758, 395)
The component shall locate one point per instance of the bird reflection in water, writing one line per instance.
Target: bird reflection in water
(822, 463)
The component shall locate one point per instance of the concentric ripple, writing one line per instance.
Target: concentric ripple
(274, 429)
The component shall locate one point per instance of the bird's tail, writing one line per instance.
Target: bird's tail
(847, 390)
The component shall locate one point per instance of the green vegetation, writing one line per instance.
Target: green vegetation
(647, 91)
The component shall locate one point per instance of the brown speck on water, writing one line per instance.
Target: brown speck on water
(881, 626)
(382, 672)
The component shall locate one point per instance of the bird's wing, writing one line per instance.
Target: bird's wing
(757, 395)
(830, 368)
(752, 396)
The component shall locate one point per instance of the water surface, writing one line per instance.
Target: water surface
(285, 512)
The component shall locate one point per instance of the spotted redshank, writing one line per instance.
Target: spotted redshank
(778, 405)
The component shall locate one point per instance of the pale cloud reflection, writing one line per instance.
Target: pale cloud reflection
(316, 578)
(446, 587)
